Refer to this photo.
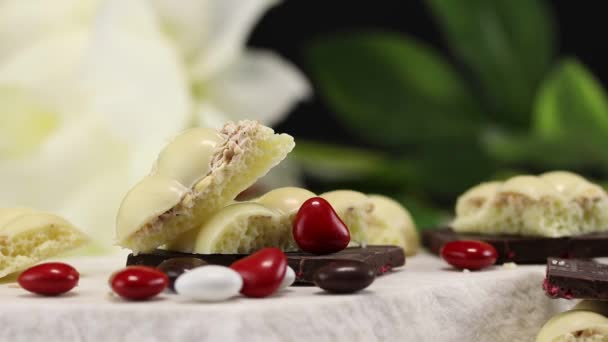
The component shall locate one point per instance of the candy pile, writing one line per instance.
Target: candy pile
(188, 203)
(187, 206)
(317, 229)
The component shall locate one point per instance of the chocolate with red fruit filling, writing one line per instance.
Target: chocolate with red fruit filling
(524, 249)
(574, 278)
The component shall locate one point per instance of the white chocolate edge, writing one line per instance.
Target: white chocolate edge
(180, 165)
(572, 321)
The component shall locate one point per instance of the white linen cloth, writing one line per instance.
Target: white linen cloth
(424, 301)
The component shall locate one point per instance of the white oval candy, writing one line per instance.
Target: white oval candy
(288, 280)
(209, 283)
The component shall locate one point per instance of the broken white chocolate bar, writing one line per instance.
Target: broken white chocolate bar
(554, 204)
(28, 236)
(245, 227)
(197, 174)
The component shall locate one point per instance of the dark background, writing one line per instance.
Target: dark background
(288, 27)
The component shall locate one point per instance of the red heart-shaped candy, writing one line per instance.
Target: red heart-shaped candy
(262, 272)
(318, 229)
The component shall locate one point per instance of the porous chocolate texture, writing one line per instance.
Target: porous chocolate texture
(380, 258)
(525, 249)
(572, 278)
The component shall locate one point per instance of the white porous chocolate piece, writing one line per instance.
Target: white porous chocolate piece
(150, 199)
(584, 323)
(474, 198)
(196, 174)
(28, 237)
(287, 200)
(553, 204)
(375, 220)
(354, 208)
(391, 224)
(232, 222)
(187, 158)
(245, 227)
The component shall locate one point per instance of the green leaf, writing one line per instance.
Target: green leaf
(435, 168)
(448, 169)
(507, 44)
(570, 124)
(572, 102)
(333, 162)
(391, 89)
(543, 153)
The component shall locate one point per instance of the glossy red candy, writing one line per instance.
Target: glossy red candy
(49, 279)
(138, 282)
(469, 254)
(318, 229)
(262, 272)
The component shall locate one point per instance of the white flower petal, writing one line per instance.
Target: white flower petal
(47, 69)
(61, 176)
(25, 122)
(208, 115)
(228, 24)
(186, 22)
(261, 86)
(25, 22)
(133, 76)
(94, 205)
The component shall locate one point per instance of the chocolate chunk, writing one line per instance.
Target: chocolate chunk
(380, 258)
(525, 249)
(345, 276)
(175, 267)
(572, 278)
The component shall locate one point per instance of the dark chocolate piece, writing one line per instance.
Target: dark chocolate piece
(525, 249)
(572, 278)
(380, 258)
(345, 276)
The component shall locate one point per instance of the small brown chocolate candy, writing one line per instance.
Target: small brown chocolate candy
(344, 276)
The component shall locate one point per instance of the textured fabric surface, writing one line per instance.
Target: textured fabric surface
(424, 301)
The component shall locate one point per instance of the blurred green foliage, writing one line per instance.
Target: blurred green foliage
(509, 105)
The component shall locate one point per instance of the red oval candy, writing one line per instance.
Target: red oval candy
(469, 254)
(318, 229)
(49, 279)
(262, 272)
(138, 282)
